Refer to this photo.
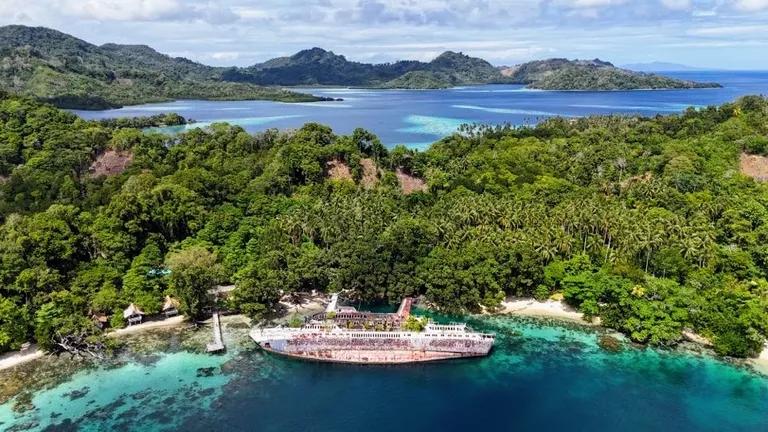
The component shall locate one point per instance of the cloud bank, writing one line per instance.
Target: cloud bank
(242, 32)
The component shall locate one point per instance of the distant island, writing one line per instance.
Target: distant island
(317, 66)
(563, 74)
(71, 73)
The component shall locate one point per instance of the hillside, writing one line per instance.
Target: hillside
(317, 66)
(422, 80)
(447, 70)
(645, 222)
(563, 74)
(69, 72)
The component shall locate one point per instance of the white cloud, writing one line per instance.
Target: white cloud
(751, 5)
(123, 10)
(225, 55)
(594, 3)
(729, 30)
(704, 13)
(148, 10)
(251, 13)
(242, 32)
(677, 4)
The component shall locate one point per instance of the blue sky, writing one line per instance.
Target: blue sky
(710, 33)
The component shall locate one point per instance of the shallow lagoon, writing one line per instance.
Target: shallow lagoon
(539, 377)
(419, 117)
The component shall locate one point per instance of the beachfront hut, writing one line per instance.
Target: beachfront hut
(170, 307)
(133, 314)
(100, 320)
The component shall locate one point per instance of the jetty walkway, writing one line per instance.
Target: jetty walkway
(218, 342)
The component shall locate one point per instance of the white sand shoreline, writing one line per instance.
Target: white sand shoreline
(527, 307)
(555, 309)
(15, 358)
(147, 325)
(547, 309)
(761, 362)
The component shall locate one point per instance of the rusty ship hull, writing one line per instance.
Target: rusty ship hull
(372, 357)
(336, 340)
(336, 345)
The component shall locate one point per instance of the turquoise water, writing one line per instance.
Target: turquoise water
(245, 122)
(115, 398)
(539, 377)
(419, 117)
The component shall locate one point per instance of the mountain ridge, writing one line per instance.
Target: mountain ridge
(320, 67)
(55, 67)
(72, 73)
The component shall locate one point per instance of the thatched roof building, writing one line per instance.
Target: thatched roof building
(171, 306)
(100, 320)
(170, 303)
(131, 311)
(133, 314)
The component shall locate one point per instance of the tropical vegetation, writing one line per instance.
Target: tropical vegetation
(645, 222)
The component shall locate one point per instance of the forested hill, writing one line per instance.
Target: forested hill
(563, 74)
(646, 222)
(72, 73)
(317, 66)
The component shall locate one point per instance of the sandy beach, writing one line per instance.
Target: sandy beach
(168, 322)
(694, 337)
(11, 359)
(546, 309)
(308, 306)
(761, 362)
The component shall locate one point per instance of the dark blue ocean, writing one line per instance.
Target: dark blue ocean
(537, 378)
(419, 117)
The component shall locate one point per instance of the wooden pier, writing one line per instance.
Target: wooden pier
(218, 342)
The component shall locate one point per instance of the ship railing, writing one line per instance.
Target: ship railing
(432, 330)
(446, 327)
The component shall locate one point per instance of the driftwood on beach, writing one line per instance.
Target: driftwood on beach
(79, 344)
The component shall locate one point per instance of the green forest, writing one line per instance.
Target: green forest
(644, 222)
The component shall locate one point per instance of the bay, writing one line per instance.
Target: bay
(540, 376)
(417, 118)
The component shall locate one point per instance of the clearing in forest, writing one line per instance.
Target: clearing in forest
(754, 166)
(111, 162)
(338, 170)
(370, 175)
(410, 184)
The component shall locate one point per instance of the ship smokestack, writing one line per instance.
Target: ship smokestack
(332, 304)
(404, 311)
